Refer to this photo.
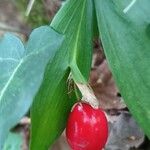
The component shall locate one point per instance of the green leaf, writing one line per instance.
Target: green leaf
(52, 104)
(124, 30)
(75, 20)
(22, 72)
(14, 141)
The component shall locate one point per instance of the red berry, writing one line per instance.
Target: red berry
(87, 128)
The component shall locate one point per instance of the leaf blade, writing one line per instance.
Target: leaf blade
(25, 79)
(126, 44)
(69, 56)
(13, 142)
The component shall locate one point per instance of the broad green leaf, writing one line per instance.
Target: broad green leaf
(53, 116)
(75, 20)
(21, 73)
(14, 141)
(52, 104)
(124, 28)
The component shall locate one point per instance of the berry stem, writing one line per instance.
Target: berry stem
(88, 95)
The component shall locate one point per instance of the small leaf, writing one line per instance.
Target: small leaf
(124, 30)
(22, 73)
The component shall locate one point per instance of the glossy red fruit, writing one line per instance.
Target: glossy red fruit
(87, 128)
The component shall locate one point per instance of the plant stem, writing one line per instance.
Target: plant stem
(88, 95)
(29, 7)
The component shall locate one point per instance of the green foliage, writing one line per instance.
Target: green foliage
(126, 41)
(52, 103)
(14, 141)
(22, 73)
